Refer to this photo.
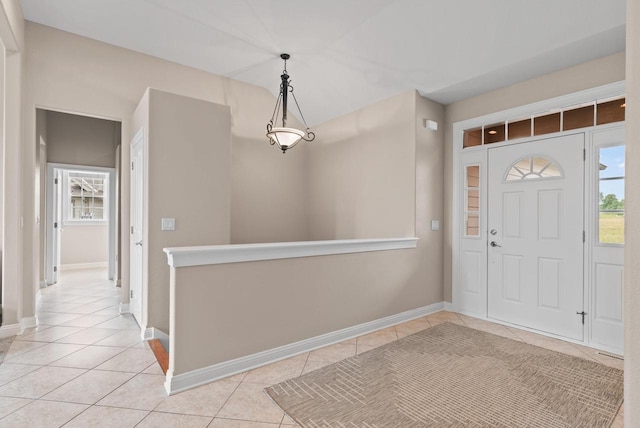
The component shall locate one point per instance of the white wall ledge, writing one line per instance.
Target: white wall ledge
(219, 254)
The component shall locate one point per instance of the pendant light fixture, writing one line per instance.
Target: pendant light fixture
(284, 137)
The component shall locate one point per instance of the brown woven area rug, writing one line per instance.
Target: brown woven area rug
(454, 376)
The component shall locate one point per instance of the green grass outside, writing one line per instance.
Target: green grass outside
(611, 228)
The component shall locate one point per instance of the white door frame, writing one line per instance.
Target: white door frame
(478, 155)
(53, 225)
(52, 168)
(137, 236)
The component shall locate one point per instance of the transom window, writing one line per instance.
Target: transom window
(597, 112)
(85, 196)
(532, 168)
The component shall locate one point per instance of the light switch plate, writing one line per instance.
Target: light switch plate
(168, 224)
(435, 224)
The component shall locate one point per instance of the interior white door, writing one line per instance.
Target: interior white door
(137, 226)
(535, 235)
(57, 224)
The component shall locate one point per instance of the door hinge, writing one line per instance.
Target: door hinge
(131, 166)
(131, 294)
(584, 236)
(584, 154)
(132, 230)
(583, 313)
(55, 268)
(55, 225)
(55, 181)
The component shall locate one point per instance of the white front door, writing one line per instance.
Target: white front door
(535, 234)
(137, 226)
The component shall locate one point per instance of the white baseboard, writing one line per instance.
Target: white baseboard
(10, 330)
(43, 284)
(184, 381)
(150, 333)
(78, 266)
(124, 308)
(27, 322)
(153, 333)
(448, 306)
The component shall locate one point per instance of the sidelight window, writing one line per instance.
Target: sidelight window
(611, 195)
(472, 200)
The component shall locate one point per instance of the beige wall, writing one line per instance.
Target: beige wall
(12, 33)
(14, 252)
(81, 140)
(222, 312)
(188, 177)
(632, 226)
(228, 311)
(361, 170)
(70, 73)
(585, 76)
(268, 188)
(82, 244)
(266, 206)
(430, 149)
(378, 173)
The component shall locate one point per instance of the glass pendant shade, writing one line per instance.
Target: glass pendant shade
(285, 138)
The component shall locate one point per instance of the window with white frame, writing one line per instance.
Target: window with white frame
(611, 195)
(472, 200)
(85, 198)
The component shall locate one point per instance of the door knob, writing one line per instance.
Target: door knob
(139, 243)
(494, 244)
(493, 232)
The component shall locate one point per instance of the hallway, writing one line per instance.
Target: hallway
(81, 351)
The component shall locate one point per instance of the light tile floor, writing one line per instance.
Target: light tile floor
(85, 366)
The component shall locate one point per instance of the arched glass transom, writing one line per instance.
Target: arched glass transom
(532, 168)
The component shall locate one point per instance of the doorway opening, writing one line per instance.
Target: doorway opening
(77, 182)
(81, 213)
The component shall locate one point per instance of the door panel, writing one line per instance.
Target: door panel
(535, 259)
(512, 212)
(607, 270)
(549, 214)
(137, 224)
(57, 206)
(471, 296)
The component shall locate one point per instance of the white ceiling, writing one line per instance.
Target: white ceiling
(346, 54)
